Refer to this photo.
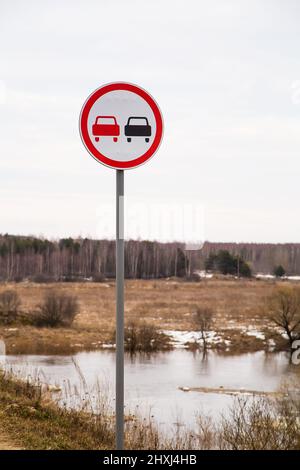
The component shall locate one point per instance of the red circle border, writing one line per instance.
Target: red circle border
(84, 129)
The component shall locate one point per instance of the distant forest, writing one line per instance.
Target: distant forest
(68, 259)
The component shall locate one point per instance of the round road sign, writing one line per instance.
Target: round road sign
(121, 125)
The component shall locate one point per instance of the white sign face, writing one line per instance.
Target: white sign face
(121, 125)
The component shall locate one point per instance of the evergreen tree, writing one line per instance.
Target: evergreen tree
(225, 263)
(279, 271)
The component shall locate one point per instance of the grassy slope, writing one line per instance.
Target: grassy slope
(35, 424)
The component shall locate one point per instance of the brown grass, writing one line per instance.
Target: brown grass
(167, 304)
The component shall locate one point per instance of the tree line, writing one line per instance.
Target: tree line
(69, 258)
(261, 257)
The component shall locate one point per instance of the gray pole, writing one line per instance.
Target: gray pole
(120, 310)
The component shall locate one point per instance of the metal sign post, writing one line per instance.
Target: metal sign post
(120, 309)
(121, 126)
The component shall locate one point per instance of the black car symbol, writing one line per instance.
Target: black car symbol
(137, 127)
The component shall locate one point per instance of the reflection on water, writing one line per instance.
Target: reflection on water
(152, 382)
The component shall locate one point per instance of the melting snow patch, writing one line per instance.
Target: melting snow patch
(271, 276)
(280, 332)
(253, 332)
(180, 338)
(264, 276)
(204, 274)
(271, 344)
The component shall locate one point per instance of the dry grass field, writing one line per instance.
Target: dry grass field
(238, 307)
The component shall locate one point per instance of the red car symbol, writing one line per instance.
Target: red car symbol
(106, 126)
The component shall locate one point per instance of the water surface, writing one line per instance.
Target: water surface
(152, 382)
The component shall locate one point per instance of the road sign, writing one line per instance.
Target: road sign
(121, 125)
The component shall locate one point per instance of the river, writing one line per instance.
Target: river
(152, 382)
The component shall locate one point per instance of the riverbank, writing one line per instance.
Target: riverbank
(240, 320)
(31, 420)
(34, 422)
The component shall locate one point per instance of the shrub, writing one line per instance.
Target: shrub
(57, 310)
(261, 424)
(194, 277)
(9, 306)
(42, 278)
(73, 278)
(142, 337)
(98, 277)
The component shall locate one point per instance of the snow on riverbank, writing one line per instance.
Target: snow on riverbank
(179, 339)
(252, 331)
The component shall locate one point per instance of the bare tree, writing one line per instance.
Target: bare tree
(285, 310)
(203, 319)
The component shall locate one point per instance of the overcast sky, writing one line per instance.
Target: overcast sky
(226, 75)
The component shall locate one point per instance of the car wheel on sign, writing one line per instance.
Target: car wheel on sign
(128, 139)
(97, 139)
